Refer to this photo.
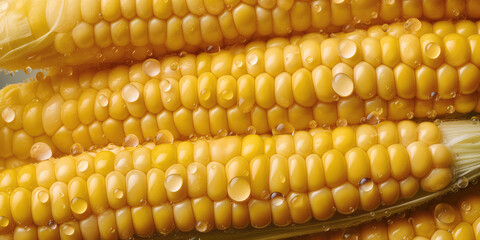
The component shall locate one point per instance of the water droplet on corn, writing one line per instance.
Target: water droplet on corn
(8, 115)
(412, 25)
(41, 151)
(151, 67)
(174, 183)
(130, 93)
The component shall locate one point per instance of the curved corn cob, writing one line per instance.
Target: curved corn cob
(312, 81)
(89, 31)
(456, 218)
(235, 182)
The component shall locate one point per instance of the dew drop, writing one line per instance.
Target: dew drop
(164, 136)
(450, 109)
(40, 151)
(374, 15)
(312, 124)
(130, 93)
(462, 182)
(131, 140)
(453, 94)
(317, 7)
(82, 166)
(40, 76)
(151, 67)
(373, 118)
(335, 97)
(431, 114)
(466, 206)
(76, 149)
(432, 50)
(239, 189)
(347, 48)
(222, 133)
(102, 100)
(52, 225)
(239, 63)
(342, 85)
(251, 130)
(348, 28)
(213, 48)
(309, 59)
(252, 59)
(4, 221)
(193, 137)
(284, 128)
(474, 181)
(385, 27)
(173, 183)
(366, 184)
(118, 193)
(78, 205)
(341, 122)
(389, 221)
(8, 115)
(410, 115)
(68, 229)
(174, 66)
(43, 196)
(412, 25)
(475, 120)
(349, 236)
(201, 226)
(205, 94)
(227, 94)
(445, 213)
(357, 20)
(28, 70)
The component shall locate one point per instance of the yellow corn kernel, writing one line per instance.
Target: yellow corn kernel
(420, 158)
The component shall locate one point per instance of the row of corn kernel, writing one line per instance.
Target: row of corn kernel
(456, 218)
(86, 30)
(318, 141)
(80, 198)
(44, 125)
(433, 57)
(108, 180)
(446, 220)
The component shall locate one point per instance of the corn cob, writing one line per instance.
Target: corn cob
(234, 182)
(454, 218)
(252, 89)
(88, 31)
